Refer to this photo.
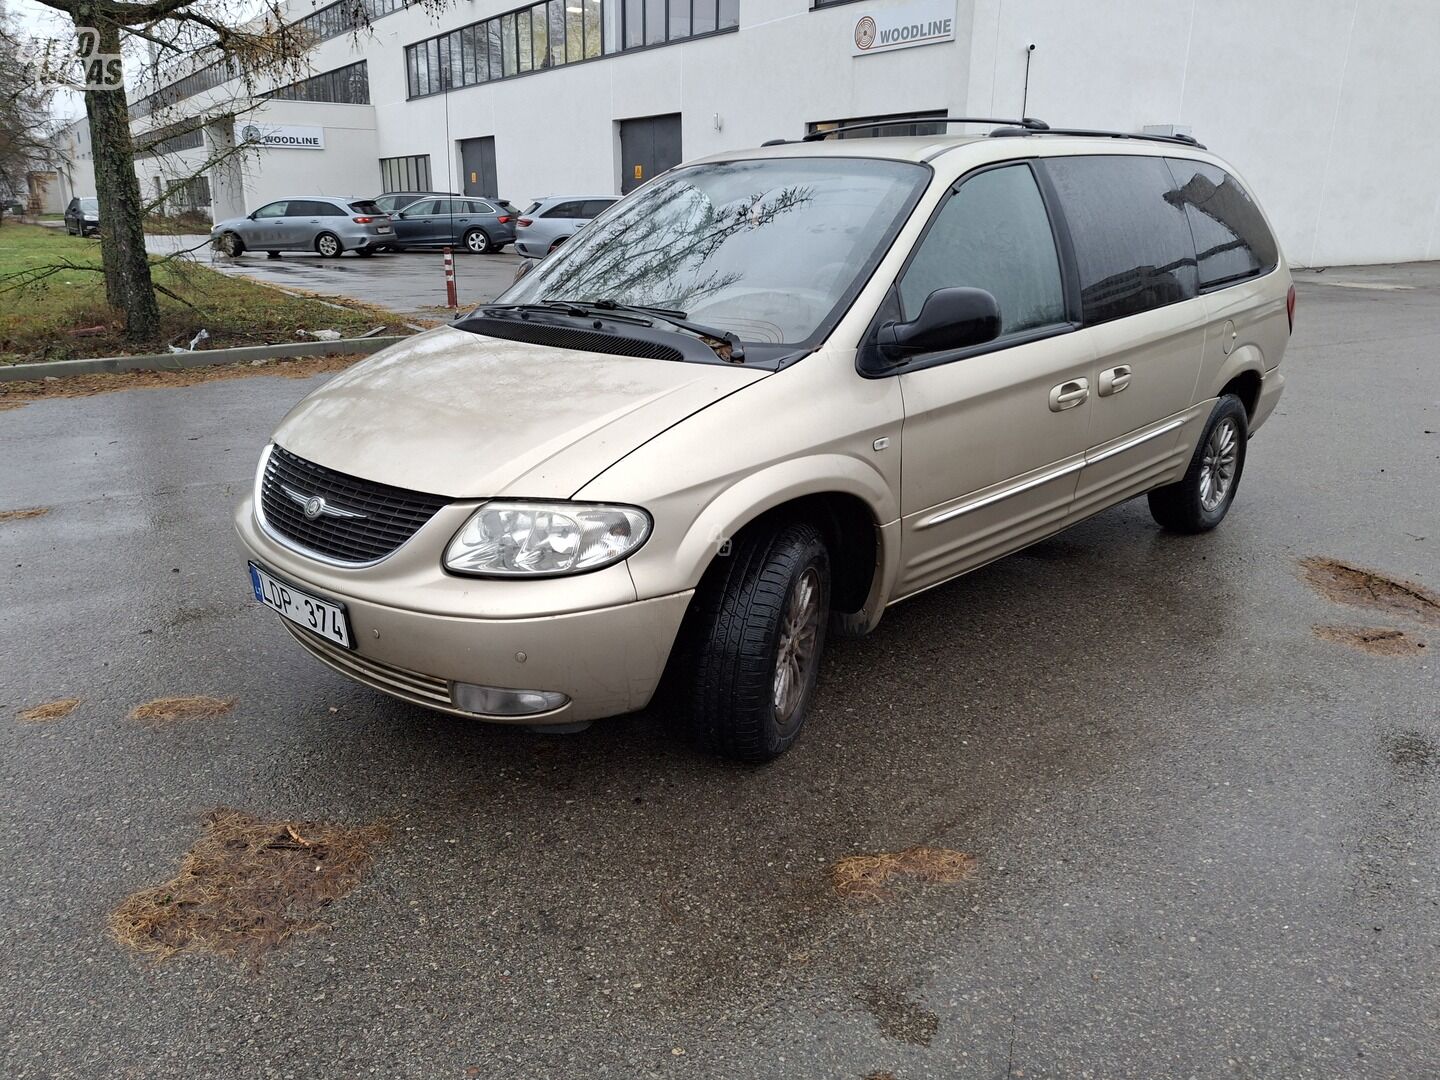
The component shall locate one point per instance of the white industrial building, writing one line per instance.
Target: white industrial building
(1319, 104)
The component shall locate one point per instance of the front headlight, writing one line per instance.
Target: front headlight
(525, 539)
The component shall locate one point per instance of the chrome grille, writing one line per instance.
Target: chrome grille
(363, 521)
(401, 682)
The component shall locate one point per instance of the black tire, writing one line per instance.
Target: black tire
(365, 253)
(396, 249)
(272, 254)
(1182, 506)
(232, 245)
(329, 246)
(735, 636)
(478, 242)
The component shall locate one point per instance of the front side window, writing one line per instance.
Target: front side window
(1132, 242)
(595, 207)
(769, 250)
(422, 208)
(992, 234)
(1232, 241)
(272, 210)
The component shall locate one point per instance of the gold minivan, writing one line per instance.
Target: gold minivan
(768, 395)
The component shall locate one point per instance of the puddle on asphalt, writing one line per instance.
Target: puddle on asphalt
(175, 710)
(866, 877)
(247, 886)
(1412, 752)
(50, 711)
(1375, 640)
(898, 1017)
(1345, 584)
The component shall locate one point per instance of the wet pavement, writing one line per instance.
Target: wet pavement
(410, 283)
(1206, 838)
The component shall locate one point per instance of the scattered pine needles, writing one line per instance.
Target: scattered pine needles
(174, 710)
(51, 710)
(865, 877)
(247, 886)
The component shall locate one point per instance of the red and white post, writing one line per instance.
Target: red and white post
(450, 297)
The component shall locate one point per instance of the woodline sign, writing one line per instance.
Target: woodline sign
(903, 26)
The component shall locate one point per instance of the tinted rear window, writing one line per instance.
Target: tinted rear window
(366, 207)
(1232, 241)
(1132, 242)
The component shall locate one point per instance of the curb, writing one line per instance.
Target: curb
(177, 361)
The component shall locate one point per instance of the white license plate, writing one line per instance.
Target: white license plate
(382, 228)
(323, 617)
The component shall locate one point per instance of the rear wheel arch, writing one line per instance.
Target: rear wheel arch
(1245, 386)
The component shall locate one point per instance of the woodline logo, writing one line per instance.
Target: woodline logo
(98, 71)
(919, 22)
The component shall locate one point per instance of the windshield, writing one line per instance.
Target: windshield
(89, 204)
(766, 249)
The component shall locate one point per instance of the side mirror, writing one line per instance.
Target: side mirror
(525, 267)
(951, 319)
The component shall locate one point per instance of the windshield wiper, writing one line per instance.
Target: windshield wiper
(725, 343)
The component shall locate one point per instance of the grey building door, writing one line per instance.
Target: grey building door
(648, 146)
(477, 157)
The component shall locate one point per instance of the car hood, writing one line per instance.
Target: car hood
(452, 413)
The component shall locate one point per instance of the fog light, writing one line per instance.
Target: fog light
(498, 701)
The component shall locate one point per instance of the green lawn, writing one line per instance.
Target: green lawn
(37, 322)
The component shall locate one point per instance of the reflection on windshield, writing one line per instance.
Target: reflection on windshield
(765, 249)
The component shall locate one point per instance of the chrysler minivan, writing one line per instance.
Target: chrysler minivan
(764, 397)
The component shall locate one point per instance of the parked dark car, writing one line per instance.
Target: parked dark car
(480, 226)
(395, 201)
(82, 216)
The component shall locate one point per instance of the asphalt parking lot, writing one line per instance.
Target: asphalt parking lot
(410, 283)
(1206, 837)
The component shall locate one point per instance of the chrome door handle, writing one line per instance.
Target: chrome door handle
(1114, 380)
(1069, 394)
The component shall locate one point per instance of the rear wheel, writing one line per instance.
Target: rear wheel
(1201, 498)
(365, 253)
(328, 245)
(477, 242)
(755, 640)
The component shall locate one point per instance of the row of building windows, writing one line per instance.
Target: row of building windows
(197, 82)
(555, 32)
(169, 141)
(405, 173)
(346, 16)
(349, 85)
(654, 22)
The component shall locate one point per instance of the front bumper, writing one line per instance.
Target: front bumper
(607, 660)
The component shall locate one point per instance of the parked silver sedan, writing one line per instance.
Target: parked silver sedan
(322, 223)
(549, 222)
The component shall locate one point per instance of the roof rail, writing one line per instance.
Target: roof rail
(1021, 130)
(1028, 123)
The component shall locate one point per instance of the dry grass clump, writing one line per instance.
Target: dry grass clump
(865, 877)
(1375, 640)
(173, 710)
(246, 886)
(1354, 585)
(24, 515)
(51, 710)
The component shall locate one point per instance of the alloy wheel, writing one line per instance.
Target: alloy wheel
(1217, 467)
(795, 654)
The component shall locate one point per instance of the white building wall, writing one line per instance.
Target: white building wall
(1315, 102)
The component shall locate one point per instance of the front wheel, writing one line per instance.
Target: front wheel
(232, 245)
(757, 636)
(328, 245)
(1201, 498)
(477, 242)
